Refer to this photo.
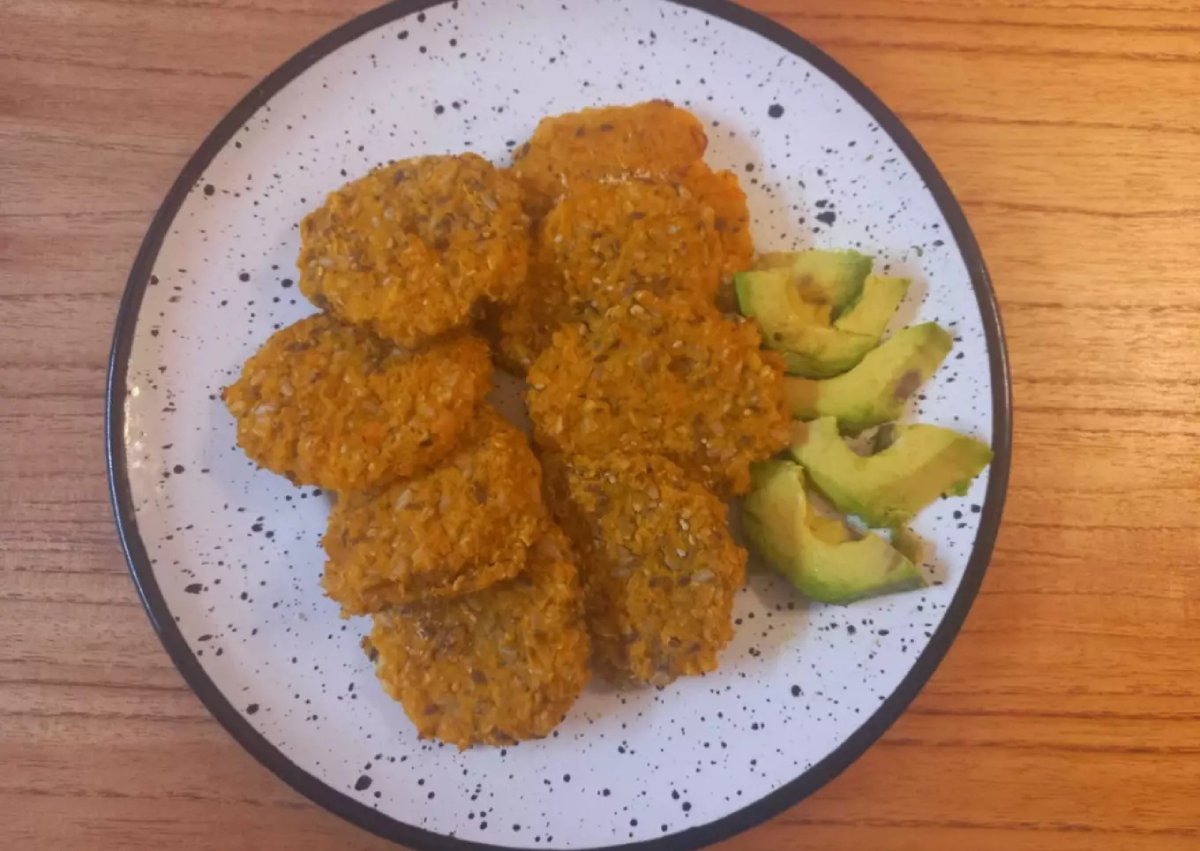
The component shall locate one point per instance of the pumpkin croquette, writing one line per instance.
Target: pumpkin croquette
(604, 241)
(334, 406)
(495, 666)
(662, 376)
(456, 529)
(720, 192)
(410, 249)
(651, 138)
(658, 564)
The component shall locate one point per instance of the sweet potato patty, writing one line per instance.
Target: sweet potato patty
(665, 377)
(721, 192)
(492, 667)
(658, 564)
(411, 248)
(604, 241)
(650, 138)
(461, 527)
(333, 405)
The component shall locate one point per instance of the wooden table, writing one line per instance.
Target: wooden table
(1066, 717)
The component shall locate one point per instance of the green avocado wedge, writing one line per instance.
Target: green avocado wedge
(817, 554)
(769, 296)
(828, 351)
(918, 464)
(811, 343)
(827, 277)
(817, 352)
(875, 306)
(876, 390)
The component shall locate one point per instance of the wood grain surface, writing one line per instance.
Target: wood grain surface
(1067, 715)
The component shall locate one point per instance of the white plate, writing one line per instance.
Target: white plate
(227, 557)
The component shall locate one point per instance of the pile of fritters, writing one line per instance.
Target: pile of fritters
(596, 266)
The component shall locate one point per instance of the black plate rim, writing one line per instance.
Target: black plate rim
(700, 836)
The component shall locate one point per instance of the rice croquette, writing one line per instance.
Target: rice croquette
(411, 248)
(495, 666)
(604, 241)
(658, 564)
(461, 527)
(333, 405)
(650, 138)
(662, 376)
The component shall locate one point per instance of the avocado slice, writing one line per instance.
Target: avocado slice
(769, 296)
(823, 564)
(822, 310)
(875, 306)
(918, 464)
(829, 277)
(875, 390)
(822, 351)
(908, 544)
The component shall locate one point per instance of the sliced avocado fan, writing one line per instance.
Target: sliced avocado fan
(817, 554)
(918, 464)
(875, 390)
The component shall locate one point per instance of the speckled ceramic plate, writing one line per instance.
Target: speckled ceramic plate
(227, 558)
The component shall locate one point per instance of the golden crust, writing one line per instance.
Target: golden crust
(411, 248)
(604, 241)
(721, 192)
(658, 564)
(462, 527)
(608, 239)
(332, 405)
(650, 138)
(520, 331)
(666, 377)
(493, 667)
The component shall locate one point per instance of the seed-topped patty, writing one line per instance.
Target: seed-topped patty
(495, 666)
(410, 249)
(721, 192)
(646, 139)
(662, 376)
(604, 241)
(457, 529)
(333, 405)
(658, 564)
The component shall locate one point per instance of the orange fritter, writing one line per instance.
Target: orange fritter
(662, 376)
(652, 138)
(658, 564)
(454, 530)
(721, 192)
(604, 241)
(411, 248)
(607, 239)
(493, 667)
(333, 405)
(521, 330)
